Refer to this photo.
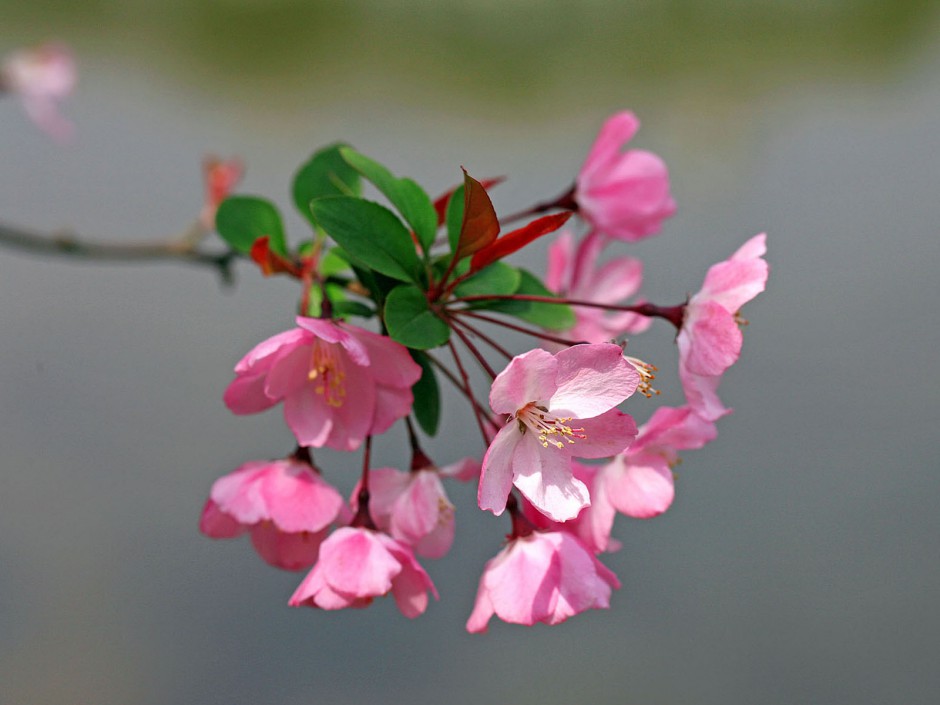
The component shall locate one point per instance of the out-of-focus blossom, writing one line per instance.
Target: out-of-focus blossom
(285, 504)
(560, 406)
(221, 176)
(573, 273)
(339, 383)
(357, 565)
(710, 337)
(41, 76)
(624, 194)
(542, 577)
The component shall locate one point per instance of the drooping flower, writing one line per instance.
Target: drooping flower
(221, 176)
(559, 406)
(573, 272)
(413, 507)
(339, 383)
(639, 482)
(710, 339)
(541, 577)
(41, 76)
(356, 565)
(285, 504)
(625, 195)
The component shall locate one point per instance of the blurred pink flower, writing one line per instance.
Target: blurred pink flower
(559, 406)
(339, 383)
(357, 565)
(574, 273)
(542, 577)
(285, 504)
(625, 195)
(710, 338)
(41, 76)
(221, 176)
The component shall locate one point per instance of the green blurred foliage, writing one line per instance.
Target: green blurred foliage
(534, 53)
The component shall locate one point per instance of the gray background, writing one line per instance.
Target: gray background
(800, 560)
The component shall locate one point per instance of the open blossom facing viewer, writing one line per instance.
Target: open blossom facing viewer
(559, 406)
(285, 504)
(41, 77)
(339, 383)
(542, 577)
(356, 565)
(625, 195)
(710, 338)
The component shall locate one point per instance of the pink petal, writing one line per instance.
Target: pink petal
(259, 357)
(528, 377)
(605, 435)
(715, 340)
(290, 551)
(616, 132)
(545, 477)
(331, 332)
(309, 417)
(390, 363)
(591, 379)
(675, 429)
(238, 494)
(496, 473)
(560, 262)
(245, 395)
(216, 524)
(355, 562)
(298, 499)
(733, 283)
(640, 488)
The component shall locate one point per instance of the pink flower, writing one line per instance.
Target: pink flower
(559, 406)
(639, 481)
(573, 272)
(221, 176)
(41, 76)
(285, 504)
(710, 340)
(339, 383)
(543, 577)
(625, 195)
(413, 508)
(357, 565)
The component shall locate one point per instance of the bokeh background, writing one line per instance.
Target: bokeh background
(801, 560)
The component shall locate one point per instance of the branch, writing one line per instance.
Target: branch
(181, 249)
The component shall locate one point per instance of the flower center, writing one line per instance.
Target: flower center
(327, 372)
(550, 429)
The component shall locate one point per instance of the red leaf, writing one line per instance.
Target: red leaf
(480, 225)
(517, 239)
(440, 205)
(271, 262)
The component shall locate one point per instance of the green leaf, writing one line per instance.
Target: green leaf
(411, 322)
(455, 217)
(427, 395)
(410, 199)
(544, 315)
(498, 278)
(371, 234)
(326, 173)
(333, 262)
(352, 308)
(241, 220)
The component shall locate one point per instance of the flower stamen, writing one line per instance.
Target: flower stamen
(328, 373)
(551, 430)
(647, 375)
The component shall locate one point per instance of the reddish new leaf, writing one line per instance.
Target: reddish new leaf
(440, 205)
(271, 262)
(517, 239)
(480, 225)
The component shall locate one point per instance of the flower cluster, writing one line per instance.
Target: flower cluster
(393, 303)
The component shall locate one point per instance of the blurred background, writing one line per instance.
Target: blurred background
(799, 562)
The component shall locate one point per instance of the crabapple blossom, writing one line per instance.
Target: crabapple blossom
(413, 508)
(573, 272)
(339, 383)
(285, 504)
(625, 195)
(221, 176)
(541, 577)
(710, 339)
(41, 76)
(356, 565)
(559, 406)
